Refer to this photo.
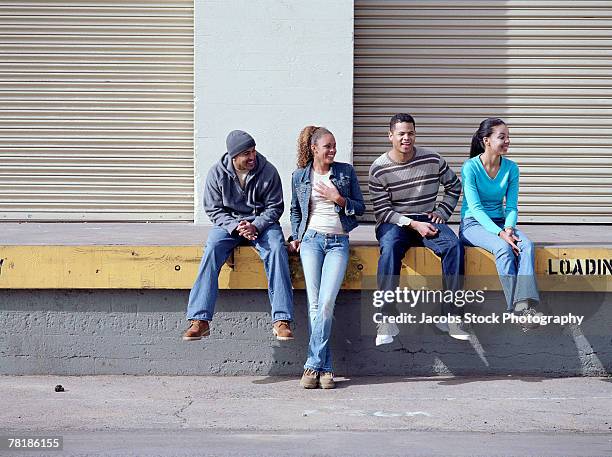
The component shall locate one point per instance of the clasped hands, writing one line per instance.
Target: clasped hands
(510, 237)
(247, 230)
(427, 229)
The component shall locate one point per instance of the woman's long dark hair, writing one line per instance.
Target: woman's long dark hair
(484, 130)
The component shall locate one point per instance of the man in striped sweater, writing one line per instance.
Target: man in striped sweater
(404, 184)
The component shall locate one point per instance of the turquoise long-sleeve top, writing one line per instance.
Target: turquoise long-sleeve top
(483, 196)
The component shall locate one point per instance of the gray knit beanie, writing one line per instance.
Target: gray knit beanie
(238, 141)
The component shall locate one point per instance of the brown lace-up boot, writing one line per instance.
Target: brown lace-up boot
(282, 331)
(196, 330)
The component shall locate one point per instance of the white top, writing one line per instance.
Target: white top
(242, 175)
(323, 216)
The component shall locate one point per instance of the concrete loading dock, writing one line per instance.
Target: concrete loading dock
(110, 299)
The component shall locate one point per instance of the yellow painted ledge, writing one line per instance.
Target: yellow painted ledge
(175, 267)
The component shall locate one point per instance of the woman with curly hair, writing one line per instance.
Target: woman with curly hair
(325, 200)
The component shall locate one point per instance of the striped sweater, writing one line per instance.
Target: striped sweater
(410, 189)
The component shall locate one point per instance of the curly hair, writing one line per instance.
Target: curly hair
(308, 136)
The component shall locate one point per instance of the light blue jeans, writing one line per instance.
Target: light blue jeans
(516, 273)
(324, 260)
(271, 247)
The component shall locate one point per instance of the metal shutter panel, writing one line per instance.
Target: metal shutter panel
(96, 105)
(545, 67)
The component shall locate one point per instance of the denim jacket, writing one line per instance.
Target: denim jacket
(342, 176)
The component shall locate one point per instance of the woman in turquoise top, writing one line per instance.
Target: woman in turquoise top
(489, 179)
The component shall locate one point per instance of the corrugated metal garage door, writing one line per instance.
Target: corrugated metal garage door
(543, 66)
(96, 110)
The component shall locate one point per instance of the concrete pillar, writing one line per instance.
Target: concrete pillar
(271, 67)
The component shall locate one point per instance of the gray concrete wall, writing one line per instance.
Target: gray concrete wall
(138, 332)
(271, 68)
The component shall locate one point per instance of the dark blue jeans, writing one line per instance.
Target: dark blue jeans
(395, 241)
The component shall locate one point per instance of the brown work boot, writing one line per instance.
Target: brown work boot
(196, 330)
(282, 331)
(326, 380)
(310, 379)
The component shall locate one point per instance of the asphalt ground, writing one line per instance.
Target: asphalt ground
(273, 416)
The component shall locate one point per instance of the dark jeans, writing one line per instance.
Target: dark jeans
(395, 241)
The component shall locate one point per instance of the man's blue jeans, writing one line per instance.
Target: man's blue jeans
(219, 245)
(516, 273)
(324, 260)
(395, 241)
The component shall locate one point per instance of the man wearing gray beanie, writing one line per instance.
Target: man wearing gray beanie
(243, 197)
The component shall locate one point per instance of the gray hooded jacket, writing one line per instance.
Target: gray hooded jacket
(260, 202)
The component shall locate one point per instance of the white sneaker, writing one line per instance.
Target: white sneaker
(383, 339)
(455, 331)
(385, 333)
